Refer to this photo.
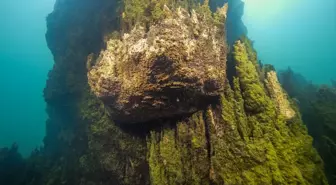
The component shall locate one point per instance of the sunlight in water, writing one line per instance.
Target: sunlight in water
(266, 10)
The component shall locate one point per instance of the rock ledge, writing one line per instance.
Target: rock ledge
(170, 69)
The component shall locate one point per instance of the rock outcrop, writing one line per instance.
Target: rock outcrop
(240, 140)
(235, 27)
(147, 62)
(317, 105)
(279, 96)
(173, 68)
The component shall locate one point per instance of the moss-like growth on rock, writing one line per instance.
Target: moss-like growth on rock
(278, 95)
(238, 137)
(179, 154)
(169, 70)
(246, 140)
(318, 107)
(118, 153)
(148, 12)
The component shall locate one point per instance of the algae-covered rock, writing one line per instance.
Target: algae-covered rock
(137, 60)
(242, 139)
(318, 106)
(172, 68)
(279, 96)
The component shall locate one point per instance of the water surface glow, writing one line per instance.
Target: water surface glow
(296, 33)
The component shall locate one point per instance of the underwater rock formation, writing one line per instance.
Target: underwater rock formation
(171, 69)
(12, 166)
(318, 107)
(16, 170)
(278, 94)
(325, 113)
(240, 140)
(241, 136)
(235, 27)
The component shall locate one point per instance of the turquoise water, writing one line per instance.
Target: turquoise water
(300, 34)
(25, 62)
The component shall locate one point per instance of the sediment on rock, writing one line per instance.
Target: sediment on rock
(137, 60)
(174, 68)
(233, 143)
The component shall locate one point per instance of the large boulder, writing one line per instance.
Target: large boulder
(171, 68)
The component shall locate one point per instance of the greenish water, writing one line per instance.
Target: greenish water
(300, 34)
(25, 62)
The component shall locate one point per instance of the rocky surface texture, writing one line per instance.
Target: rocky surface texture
(279, 96)
(235, 27)
(318, 106)
(107, 51)
(171, 69)
(242, 139)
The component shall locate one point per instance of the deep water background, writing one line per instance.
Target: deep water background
(300, 34)
(25, 62)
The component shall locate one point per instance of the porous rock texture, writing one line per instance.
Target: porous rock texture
(173, 68)
(279, 96)
(240, 138)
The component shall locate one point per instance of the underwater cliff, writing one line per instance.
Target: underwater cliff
(318, 107)
(163, 92)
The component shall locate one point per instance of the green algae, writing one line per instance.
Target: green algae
(317, 105)
(119, 153)
(238, 139)
(148, 12)
(179, 155)
(247, 142)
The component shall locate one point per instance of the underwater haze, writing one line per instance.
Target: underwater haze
(25, 60)
(138, 92)
(300, 34)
